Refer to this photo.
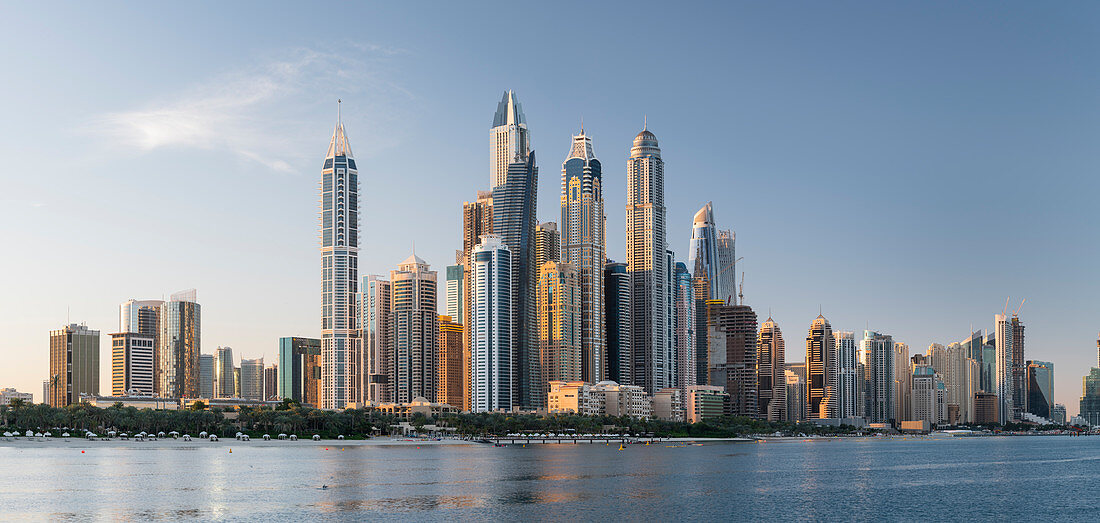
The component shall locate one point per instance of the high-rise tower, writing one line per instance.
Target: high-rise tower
(1019, 369)
(582, 246)
(508, 139)
(178, 346)
(339, 220)
(515, 180)
(547, 243)
(646, 256)
(414, 331)
(771, 368)
(703, 251)
(1003, 382)
(491, 326)
(821, 370)
(618, 322)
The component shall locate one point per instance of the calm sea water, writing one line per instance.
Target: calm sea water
(1011, 478)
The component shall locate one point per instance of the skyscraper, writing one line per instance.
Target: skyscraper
(903, 383)
(771, 372)
(414, 331)
(252, 379)
(206, 375)
(646, 257)
(514, 222)
(179, 346)
(1003, 332)
(477, 220)
(703, 251)
(583, 246)
(1040, 388)
(877, 357)
(490, 326)
(547, 243)
(74, 364)
(376, 342)
(618, 322)
(683, 333)
(224, 387)
(340, 351)
(1019, 368)
(727, 263)
(300, 370)
(731, 342)
(559, 312)
(848, 377)
(132, 363)
(508, 139)
(271, 382)
(456, 281)
(821, 370)
(451, 382)
(140, 317)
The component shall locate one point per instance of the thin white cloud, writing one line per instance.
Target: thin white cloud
(246, 112)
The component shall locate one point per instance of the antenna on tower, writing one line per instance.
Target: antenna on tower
(339, 103)
(645, 122)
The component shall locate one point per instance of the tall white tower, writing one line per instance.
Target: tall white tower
(491, 326)
(646, 258)
(508, 139)
(1003, 383)
(339, 236)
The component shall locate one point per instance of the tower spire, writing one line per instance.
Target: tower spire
(645, 122)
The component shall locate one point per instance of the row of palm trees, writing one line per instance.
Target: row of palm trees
(289, 417)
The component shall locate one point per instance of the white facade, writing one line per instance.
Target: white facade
(491, 372)
(1003, 383)
(647, 260)
(8, 394)
(612, 399)
(508, 138)
(374, 311)
(339, 234)
(132, 364)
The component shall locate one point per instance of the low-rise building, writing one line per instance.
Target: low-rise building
(612, 399)
(138, 402)
(668, 405)
(705, 402)
(417, 405)
(8, 394)
(569, 397)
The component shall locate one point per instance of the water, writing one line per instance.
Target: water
(950, 479)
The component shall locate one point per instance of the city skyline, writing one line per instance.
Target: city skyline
(937, 281)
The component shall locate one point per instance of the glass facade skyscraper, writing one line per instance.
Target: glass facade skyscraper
(179, 346)
(515, 181)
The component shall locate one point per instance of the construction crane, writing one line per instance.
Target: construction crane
(1017, 313)
(741, 290)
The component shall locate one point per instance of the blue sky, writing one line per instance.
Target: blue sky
(905, 167)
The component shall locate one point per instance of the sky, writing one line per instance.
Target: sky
(903, 167)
